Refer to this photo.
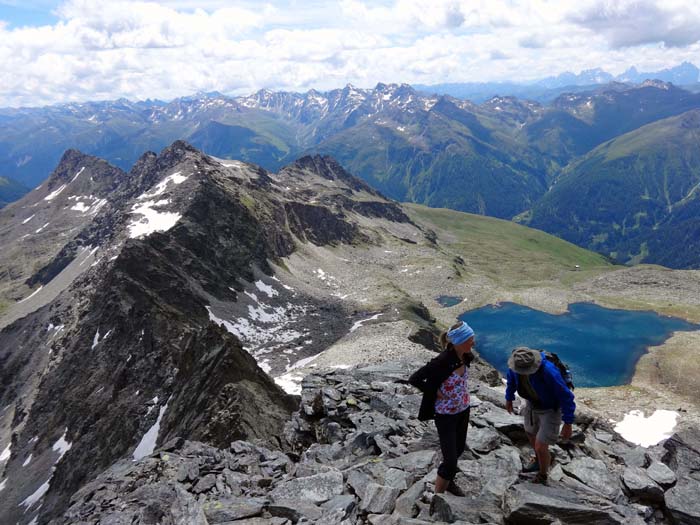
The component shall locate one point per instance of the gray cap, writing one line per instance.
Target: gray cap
(525, 360)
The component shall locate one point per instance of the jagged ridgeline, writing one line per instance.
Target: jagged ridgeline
(114, 350)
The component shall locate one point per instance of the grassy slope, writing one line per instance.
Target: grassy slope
(640, 182)
(509, 253)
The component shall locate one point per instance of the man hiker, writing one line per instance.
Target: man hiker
(549, 401)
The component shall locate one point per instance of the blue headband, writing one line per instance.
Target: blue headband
(460, 334)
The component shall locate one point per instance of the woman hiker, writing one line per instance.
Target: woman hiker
(444, 383)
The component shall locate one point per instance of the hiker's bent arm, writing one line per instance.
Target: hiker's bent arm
(510, 385)
(565, 397)
(421, 377)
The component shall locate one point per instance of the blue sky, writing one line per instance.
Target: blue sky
(76, 50)
(18, 13)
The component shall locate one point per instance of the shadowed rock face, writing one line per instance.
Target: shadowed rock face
(361, 456)
(128, 349)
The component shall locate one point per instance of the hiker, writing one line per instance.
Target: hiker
(549, 401)
(444, 383)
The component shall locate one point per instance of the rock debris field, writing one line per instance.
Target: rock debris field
(354, 454)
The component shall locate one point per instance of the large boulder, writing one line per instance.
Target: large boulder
(536, 504)
(379, 499)
(641, 486)
(595, 474)
(660, 473)
(683, 502)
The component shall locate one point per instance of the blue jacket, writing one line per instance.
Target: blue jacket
(550, 388)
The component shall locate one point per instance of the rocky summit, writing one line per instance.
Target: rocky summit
(355, 453)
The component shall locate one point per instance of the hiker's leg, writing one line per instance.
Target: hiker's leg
(462, 429)
(530, 424)
(543, 456)
(441, 484)
(447, 432)
(531, 438)
(549, 423)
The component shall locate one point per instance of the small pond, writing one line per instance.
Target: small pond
(600, 345)
(448, 300)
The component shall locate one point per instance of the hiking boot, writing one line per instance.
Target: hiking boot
(453, 489)
(540, 479)
(533, 466)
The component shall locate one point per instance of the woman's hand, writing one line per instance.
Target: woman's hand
(509, 407)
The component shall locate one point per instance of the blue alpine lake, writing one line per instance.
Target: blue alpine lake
(601, 346)
(448, 300)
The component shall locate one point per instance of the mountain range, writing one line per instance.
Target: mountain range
(506, 157)
(547, 89)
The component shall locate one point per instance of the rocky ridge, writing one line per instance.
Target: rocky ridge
(356, 454)
(146, 341)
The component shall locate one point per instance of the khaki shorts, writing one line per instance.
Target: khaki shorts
(544, 424)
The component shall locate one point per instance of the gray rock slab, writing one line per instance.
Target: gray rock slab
(406, 502)
(683, 502)
(451, 509)
(294, 510)
(636, 457)
(532, 503)
(317, 488)
(483, 440)
(230, 509)
(640, 485)
(344, 502)
(502, 420)
(660, 473)
(418, 463)
(397, 478)
(205, 483)
(595, 474)
(379, 499)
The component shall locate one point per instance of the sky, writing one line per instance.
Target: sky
(77, 50)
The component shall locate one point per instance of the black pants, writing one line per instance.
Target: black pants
(452, 431)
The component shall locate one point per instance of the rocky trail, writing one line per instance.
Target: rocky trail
(354, 453)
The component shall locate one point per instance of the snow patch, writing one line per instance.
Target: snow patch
(27, 461)
(148, 442)
(290, 383)
(6, 453)
(51, 196)
(358, 324)
(266, 289)
(3, 483)
(175, 178)
(25, 221)
(151, 221)
(62, 446)
(78, 174)
(96, 339)
(30, 296)
(80, 207)
(42, 228)
(647, 431)
(37, 494)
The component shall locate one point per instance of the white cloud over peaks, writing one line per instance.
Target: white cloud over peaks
(675, 23)
(139, 49)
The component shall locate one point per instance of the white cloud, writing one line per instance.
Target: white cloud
(112, 49)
